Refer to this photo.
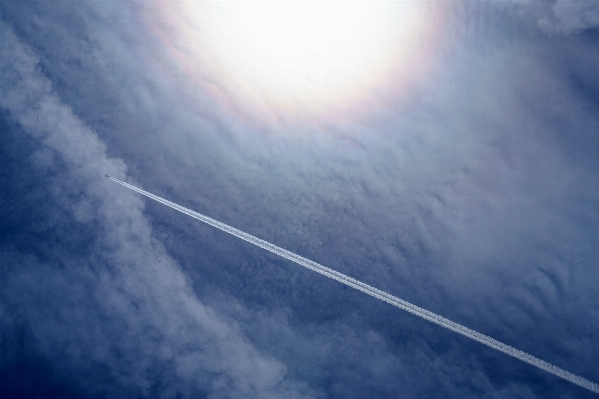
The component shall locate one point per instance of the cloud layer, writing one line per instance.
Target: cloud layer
(558, 16)
(120, 317)
(473, 195)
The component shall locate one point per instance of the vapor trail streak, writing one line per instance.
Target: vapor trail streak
(383, 296)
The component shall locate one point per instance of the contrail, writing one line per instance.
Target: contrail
(383, 296)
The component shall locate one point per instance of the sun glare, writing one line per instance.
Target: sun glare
(304, 53)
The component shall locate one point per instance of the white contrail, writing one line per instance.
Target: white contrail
(383, 296)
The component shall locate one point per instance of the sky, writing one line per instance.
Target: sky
(444, 152)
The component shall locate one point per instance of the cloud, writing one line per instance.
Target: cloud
(558, 16)
(567, 16)
(116, 313)
(473, 196)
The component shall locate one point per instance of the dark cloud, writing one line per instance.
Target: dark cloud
(474, 196)
(98, 297)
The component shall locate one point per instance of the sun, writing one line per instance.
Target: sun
(298, 53)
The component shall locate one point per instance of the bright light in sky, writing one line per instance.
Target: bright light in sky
(308, 52)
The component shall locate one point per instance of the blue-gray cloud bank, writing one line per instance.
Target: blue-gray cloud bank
(476, 196)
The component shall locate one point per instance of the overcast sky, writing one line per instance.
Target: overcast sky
(462, 176)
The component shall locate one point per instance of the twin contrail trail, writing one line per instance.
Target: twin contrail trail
(383, 296)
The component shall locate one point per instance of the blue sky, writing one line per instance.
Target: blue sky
(465, 182)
